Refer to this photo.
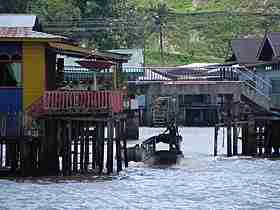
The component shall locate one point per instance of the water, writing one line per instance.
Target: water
(200, 181)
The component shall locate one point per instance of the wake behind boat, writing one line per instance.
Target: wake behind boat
(149, 152)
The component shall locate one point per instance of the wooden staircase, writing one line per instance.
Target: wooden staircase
(160, 111)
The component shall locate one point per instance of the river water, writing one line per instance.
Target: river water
(199, 181)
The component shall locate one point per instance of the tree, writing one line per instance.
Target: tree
(14, 6)
(55, 10)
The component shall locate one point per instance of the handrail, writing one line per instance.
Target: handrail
(255, 78)
(260, 78)
(64, 101)
(257, 90)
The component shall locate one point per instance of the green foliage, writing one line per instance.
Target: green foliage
(14, 6)
(55, 10)
(153, 58)
(186, 38)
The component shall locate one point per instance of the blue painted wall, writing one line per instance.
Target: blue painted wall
(10, 99)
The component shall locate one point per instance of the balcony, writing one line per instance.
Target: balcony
(78, 102)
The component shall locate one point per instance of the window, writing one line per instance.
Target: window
(10, 65)
(275, 86)
(10, 74)
(268, 68)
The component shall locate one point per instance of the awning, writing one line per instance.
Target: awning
(95, 64)
(71, 50)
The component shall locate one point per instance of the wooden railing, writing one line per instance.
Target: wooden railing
(79, 101)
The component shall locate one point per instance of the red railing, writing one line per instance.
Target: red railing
(79, 101)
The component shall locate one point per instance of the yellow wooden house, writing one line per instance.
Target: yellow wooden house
(28, 60)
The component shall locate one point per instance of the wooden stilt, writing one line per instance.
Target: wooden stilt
(1, 153)
(69, 148)
(76, 145)
(229, 142)
(244, 139)
(26, 163)
(86, 125)
(235, 140)
(267, 140)
(100, 146)
(94, 148)
(110, 134)
(275, 138)
(228, 104)
(252, 142)
(124, 143)
(118, 147)
(82, 146)
(216, 141)
(49, 159)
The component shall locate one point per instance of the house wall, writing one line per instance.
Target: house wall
(34, 66)
(272, 76)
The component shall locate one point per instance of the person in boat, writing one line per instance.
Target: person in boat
(172, 130)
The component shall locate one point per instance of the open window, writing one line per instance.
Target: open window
(10, 74)
(10, 65)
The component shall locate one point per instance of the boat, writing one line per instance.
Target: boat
(148, 153)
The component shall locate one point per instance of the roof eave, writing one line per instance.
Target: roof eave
(24, 39)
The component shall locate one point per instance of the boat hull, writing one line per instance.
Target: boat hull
(163, 157)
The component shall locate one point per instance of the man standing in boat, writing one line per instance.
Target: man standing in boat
(173, 132)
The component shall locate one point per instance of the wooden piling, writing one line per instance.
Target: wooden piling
(75, 146)
(228, 108)
(124, 138)
(252, 141)
(27, 167)
(229, 142)
(275, 137)
(86, 125)
(94, 148)
(267, 140)
(118, 147)
(244, 138)
(110, 151)
(66, 150)
(216, 141)
(100, 145)
(82, 146)
(48, 157)
(1, 153)
(235, 140)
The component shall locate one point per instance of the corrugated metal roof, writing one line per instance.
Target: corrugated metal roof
(25, 32)
(136, 59)
(70, 49)
(17, 20)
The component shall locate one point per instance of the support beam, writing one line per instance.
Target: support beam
(110, 134)
(245, 139)
(100, 146)
(76, 145)
(82, 146)
(118, 146)
(124, 138)
(252, 141)
(229, 119)
(94, 148)
(216, 141)
(235, 140)
(86, 125)
(267, 140)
